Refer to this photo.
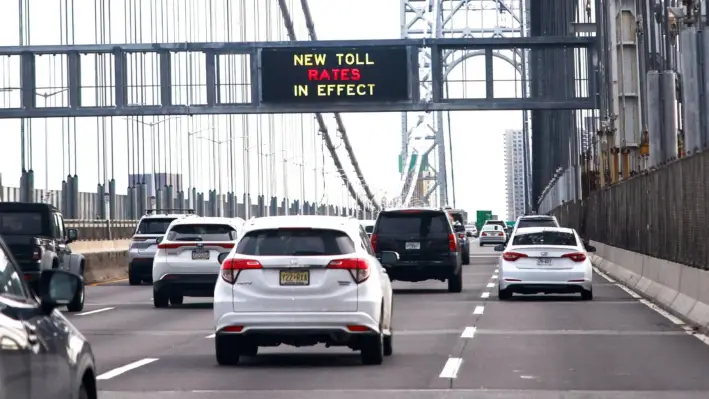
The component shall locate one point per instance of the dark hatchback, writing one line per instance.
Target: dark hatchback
(426, 245)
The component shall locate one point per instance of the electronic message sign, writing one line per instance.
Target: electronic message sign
(318, 75)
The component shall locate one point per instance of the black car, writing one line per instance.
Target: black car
(39, 241)
(42, 355)
(427, 246)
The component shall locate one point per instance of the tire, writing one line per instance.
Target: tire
(587, 295)
(481, 244)
(466, 258)
(389, 339)
(77, 304)
(504, 295)
(226, 350)
(176, 299)
(455, 282)
(373, 350)
(160, 298)
(83, 392)
(133, 279)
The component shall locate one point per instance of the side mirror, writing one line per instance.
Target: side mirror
(590, 248)
(72, 235)
(158, 240)
(221, 257)
(389, 257)
(58, 288)
(499, 247)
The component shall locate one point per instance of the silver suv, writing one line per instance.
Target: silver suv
(143, 246)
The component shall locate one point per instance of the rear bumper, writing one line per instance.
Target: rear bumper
(196, 285)
(534, 281)
(491, 240)
(141, 267)
(422, 270)
(295, 323)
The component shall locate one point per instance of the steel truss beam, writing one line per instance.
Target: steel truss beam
(211, 51)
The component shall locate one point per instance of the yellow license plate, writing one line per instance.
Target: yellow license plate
(300, 277)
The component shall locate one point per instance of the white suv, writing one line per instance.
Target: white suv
(301, 281)
(187, 259)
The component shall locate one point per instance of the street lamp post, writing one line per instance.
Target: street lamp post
(220, 205)
(46, 96)
(151, 126)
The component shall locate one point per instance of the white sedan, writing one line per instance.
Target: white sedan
(302, 281)
(545, 260)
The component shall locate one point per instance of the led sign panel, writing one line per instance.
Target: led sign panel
(363, 74)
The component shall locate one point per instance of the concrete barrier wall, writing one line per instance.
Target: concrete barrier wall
(105, 260)
(680, 289)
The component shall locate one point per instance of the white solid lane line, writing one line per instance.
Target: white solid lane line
(94, 311)
(485, 295)
(469, 332)
(128, 367)
(479, 310)
(450, 370)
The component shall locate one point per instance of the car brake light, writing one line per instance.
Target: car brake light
(576, 256)
(37, 253)
(373, 240)
(358, 268)
(484, 234)
(513, 256)
(461, 235)
(232, 267)
(452, 242)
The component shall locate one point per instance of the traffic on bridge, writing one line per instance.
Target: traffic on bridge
(323, 199)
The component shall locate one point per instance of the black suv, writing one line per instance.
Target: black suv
(38, 239)
(426, 245)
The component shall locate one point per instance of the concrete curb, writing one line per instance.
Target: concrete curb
(105, 266)
(681, 290)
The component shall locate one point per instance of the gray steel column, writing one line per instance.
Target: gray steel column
(693, 138)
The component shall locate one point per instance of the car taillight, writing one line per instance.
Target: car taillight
(37, 253)
(461, 235)
(452, 242)
(484, 234)
(512, 256)
(358, 268)
(373, 240)
(576, 256)
(500, 234)
(232, 267)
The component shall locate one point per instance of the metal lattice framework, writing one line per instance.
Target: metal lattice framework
(429, 19)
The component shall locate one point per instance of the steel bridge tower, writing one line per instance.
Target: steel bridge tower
(423, 134)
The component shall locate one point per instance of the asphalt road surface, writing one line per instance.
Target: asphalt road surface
(446, 346)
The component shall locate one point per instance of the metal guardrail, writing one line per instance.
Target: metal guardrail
(99, 229)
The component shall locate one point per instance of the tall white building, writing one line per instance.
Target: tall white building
(515, 173)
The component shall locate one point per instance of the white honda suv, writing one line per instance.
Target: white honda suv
(301, 281)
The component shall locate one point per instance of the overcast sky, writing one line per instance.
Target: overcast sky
(477, 137)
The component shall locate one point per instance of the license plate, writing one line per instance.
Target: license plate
(544, 262)
(200, 255)
(413, 245)
(290, 277)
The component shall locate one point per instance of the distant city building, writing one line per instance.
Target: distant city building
(515, 173)
(161, 179)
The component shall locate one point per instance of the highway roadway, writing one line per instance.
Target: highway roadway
(467, 345)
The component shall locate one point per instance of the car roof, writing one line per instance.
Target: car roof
(413, 208)
(208, 220)
(167, 216)
(496, 221)
(368, 222)
(531, 230)
(311, 221)
(530, 217)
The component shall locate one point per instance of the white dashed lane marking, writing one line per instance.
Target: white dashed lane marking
(123, 369)
(94, 311)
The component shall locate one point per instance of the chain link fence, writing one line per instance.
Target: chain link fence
(663, 214)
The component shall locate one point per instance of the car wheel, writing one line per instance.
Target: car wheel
(504, 295)
(227, 350)
(373, 349)
(481, 244)
(389, 339)
(160, 298)
(176, 299)
(133, 279)
(466, 258)
(83, 392)
(77, 304)
(455, 282)
(587, 295)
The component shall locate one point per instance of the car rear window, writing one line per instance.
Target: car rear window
(420, 223)
(295, 242)
(154, 225)
(545, 238)
(536, 223)
(21, 223)
(202, 232)
(369, 229)
(492, 227)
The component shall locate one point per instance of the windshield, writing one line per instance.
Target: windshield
(294, 242)
(546, 238)
(154, 225)
(536, 223)
(21, 223)
(202, 232)
(421, 223)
